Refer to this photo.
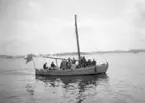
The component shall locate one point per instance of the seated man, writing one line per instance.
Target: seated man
(52, 65)
(63, 64)
(45, 66)
(89, 62)
(74, 61)
(69, 63)
(93, 62)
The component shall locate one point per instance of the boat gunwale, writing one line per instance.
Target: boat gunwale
(71, 75)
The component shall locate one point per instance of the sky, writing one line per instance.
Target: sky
(47, 26)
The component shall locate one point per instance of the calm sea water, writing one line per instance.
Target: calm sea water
(124, 82)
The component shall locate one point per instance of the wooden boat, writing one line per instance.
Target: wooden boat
(90, 70)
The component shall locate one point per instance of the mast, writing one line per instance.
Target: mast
(77, 37)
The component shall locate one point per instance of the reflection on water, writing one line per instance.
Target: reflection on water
(124, 83)
(74, 87)
(66, 80)
(30, 89)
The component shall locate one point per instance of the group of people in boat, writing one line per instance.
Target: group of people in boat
(86, 63)
(71, 64)
(51, 66)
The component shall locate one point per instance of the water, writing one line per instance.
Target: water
(123, 82)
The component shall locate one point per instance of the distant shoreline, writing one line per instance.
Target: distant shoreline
(75, 53)
(99, 52)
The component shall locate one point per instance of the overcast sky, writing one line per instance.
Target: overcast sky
(47, 26)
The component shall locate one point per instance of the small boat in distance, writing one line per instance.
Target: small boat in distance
(88, 70)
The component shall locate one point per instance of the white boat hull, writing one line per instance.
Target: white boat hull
(79, 71)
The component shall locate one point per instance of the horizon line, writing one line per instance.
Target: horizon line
(57, 53)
